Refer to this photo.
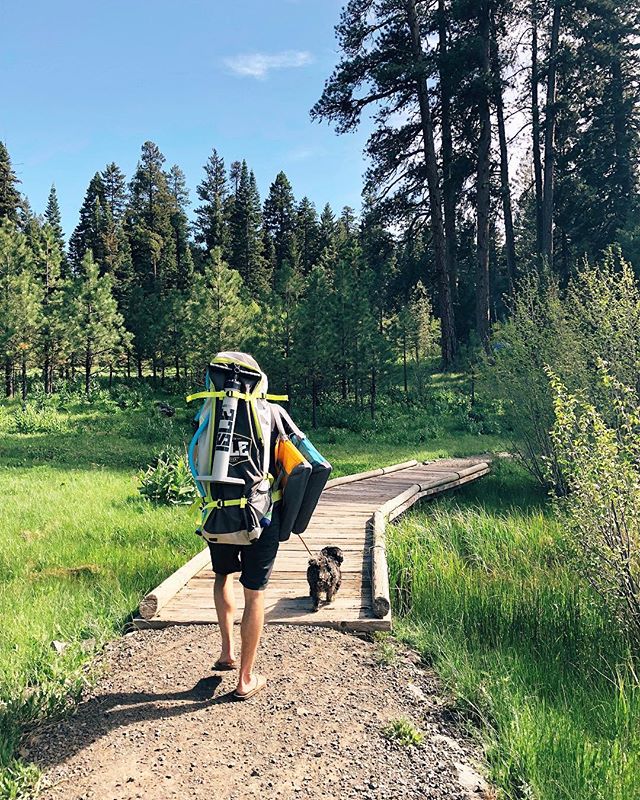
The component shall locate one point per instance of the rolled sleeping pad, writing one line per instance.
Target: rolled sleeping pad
(320, 471)
(294, 475)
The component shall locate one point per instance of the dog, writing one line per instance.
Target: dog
(324, 574)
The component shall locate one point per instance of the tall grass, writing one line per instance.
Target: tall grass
(485, 590)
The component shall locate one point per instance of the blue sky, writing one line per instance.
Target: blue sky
(85, 83)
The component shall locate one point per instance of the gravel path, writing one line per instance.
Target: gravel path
(158, 724)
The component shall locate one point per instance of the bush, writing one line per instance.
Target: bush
(168, 479)
(601, 459)
(30, 419)
(597, 317)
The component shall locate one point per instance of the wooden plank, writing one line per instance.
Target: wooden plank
(343, 518)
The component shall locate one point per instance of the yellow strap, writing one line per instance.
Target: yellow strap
(200, 395)
(274, 397)
(242, 502)
(277, 495)
(227, 393)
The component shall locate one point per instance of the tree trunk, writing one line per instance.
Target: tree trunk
(23, 376)
(404, 363)
(448, 183)
(139, 364)
(549, 139)
(483, 186)
(87, 372)
(128, 365)
(535, 126)
(314, 403)
(373, 393)
(505, 187)
(177, 367)
(447, 320)
(8, 378)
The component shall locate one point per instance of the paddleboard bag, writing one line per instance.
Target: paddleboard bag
(229, 454)
(302, 474)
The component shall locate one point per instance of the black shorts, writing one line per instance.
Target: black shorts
(254, 561)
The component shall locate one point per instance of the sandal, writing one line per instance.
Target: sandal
(224, 666)
(261, 682)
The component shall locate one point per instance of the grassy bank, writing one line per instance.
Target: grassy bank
(486, 594)
(79, 546)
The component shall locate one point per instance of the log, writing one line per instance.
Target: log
(381, 598)
(153, 602)
(372, 473)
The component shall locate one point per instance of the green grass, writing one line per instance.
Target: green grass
(487, 593)
(79, 547)
(403, 732)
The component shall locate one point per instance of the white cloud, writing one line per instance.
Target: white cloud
(258, 65)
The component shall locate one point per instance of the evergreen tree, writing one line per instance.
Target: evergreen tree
(327, 233)
(99, 335)
(308, 235)
(213, 192)
(53, 219)
(114, 192)
(245, 248)
(9, 195)
(280, 227)
(87, 236)
(20, 304)
(180, 224)
(314, 345)
(219, 313)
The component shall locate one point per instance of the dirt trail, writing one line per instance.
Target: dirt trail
(158, 724)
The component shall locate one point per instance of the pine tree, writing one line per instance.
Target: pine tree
(114, 192)
(20, 304)
(9, 195)
(245, 247)
(99, 335)
(87, 236)
(327, 233)
(307, 233)
(385, 66)
(219, 313)
(279, 224)
(213, 192)
(314, 344)
(184, 261)
(53, 219)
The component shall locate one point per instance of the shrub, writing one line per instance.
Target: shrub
(601, 459)
(168, 479)
(597, 317)
(403, 732)
(30, 419)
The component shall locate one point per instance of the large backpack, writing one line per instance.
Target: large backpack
(229, 455)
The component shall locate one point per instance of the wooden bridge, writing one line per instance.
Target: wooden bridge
(352, 514)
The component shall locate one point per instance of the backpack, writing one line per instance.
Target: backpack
(230, 453)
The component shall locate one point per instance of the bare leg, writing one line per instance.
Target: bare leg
(251, 629)
(225, 609)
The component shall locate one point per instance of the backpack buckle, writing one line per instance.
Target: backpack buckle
(219, 504)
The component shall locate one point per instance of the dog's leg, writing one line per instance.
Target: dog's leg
(315, 596)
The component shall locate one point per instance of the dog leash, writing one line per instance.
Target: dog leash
(305, 544)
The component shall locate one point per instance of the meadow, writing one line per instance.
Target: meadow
(483, 585)
(79, 545)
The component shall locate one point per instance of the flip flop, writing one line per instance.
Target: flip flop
(224, 666)
(261, 682)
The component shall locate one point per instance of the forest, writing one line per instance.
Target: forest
(484, 299)
(458, 207)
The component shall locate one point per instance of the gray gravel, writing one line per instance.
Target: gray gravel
(159, 724)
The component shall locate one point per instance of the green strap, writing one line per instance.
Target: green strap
(277, 495)
(275, 397)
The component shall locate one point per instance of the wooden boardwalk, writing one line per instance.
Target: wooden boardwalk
(344, 517)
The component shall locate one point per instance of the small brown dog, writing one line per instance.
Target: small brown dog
(324, 574)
